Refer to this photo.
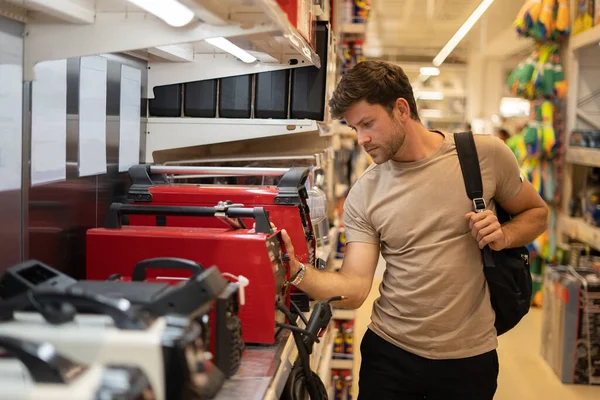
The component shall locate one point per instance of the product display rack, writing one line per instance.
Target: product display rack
(583, 113)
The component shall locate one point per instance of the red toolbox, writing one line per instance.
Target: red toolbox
(256, 255)
(286, 203)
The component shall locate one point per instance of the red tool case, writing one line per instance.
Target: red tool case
(257, 255)
(286, 203)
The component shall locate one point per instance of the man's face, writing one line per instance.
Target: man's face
(380, 133)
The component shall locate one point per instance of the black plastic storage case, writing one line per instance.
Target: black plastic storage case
(235, 97)
(271, 94)
(200, 99)
(166, 101)
(308, 83)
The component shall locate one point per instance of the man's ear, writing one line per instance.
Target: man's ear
(403, 109)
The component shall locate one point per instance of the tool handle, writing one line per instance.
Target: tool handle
(40, 359)
(117, 210)
(120, 310)
(139, 272)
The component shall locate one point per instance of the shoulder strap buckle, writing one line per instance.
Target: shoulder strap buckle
(479, 205)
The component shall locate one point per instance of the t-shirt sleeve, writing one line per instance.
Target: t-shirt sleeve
(356, 224)
(506, 172)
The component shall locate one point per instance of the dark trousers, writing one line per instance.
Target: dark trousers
(390, 373)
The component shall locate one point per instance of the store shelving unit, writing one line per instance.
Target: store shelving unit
(580, 230)
(343, 314)
(174, 133)
(584, 39)
(90, 28)
(583, 112)
(342, 364)
(583, 156)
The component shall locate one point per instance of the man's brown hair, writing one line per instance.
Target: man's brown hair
(377, 82)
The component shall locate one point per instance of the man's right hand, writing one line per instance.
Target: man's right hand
(289, 248)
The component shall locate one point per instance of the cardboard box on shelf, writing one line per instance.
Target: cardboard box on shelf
(300, 15)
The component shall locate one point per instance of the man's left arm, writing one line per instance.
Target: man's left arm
(529, 211)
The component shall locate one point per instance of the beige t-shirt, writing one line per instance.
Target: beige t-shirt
(434, 297)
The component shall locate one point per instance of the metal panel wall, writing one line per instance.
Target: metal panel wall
(10, 201)
(58, 215)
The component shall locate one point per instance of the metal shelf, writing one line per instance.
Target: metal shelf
(258, 26)
(342, 364)
(343, 314)
(578, 229)
(587, 38)
(176, 133)
(583, 156)
(355, 29)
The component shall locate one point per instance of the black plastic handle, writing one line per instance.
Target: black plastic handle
(121, 311)
(41, 360)
(139, 272)
(117, 210)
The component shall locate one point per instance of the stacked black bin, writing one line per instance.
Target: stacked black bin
(308, 83)
(166, 101)
(271, 94)
(235, 97)
(200, 99)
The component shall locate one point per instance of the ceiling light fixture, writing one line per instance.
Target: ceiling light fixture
(171, 11)
(462, 32)
(232, 49)
(429, 71)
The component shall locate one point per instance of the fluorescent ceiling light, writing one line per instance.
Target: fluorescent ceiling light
(429, 95)
(171, 11)
(430, 113)
(462, 32)
(429, 71)
(232, 49)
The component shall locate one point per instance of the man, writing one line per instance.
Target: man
(432, 334)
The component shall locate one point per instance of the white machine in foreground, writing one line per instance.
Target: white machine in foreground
(169, 349)
(32, 371)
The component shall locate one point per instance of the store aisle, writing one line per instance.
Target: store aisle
(524, 375)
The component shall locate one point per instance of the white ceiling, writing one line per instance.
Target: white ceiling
(418, 29)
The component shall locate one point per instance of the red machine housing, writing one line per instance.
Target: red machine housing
(116, 249)
(286, 204)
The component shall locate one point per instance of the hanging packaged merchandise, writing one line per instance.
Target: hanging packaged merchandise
(543, 19)
(549, 140)
(519, 80)
(540, 76)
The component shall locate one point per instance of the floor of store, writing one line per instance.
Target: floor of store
(524, 375)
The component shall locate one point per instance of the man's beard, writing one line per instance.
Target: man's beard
(390, 148)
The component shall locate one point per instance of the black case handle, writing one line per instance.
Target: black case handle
(44, 366)
(120, 310)
(117, 210)
(139, 272)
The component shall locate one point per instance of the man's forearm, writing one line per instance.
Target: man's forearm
(525, 227)
(322, 285)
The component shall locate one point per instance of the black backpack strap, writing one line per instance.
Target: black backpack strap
(469, 165)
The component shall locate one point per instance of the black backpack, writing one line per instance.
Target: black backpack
(507, 271)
